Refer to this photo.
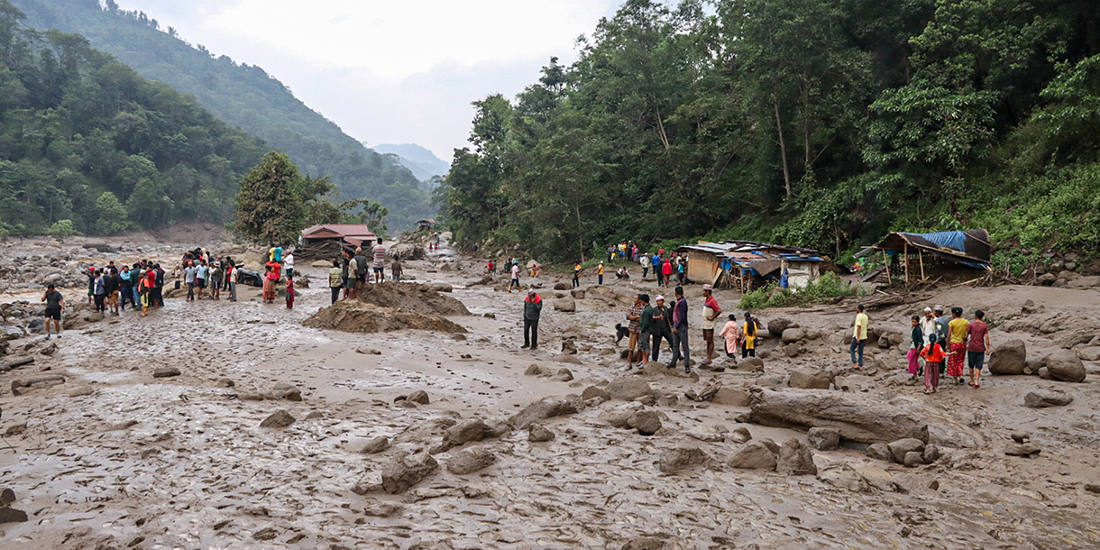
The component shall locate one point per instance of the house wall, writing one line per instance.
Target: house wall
(801, 274)
(702, 267)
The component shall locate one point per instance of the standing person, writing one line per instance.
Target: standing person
(957, 351)
(680, 331)
(234, 278)
(977, 332)
(644, 260)
(127, 289)
(148, 300)
(532, 310)
(599, 273)
(943, 323)
(100, 293)
(681, 267)
(351, 284)
(645, 326)
(731, 336)
(91, 284)
(514, 283)
(277, 254)
(750, 333)
(288, 262)
(660, 327)
(666, 270)
(269, 285)
(362, 269)
(345, 264)
(933, 357)
(379, 261)
(112, 283)
(917, 338)
(657, 263)
(158, 287)
(711, 311)
(859, 337)
(216, 276)
(927, 326)
(135, 278)
(576, 274)
(396, 269)
(55, 306)
(289, 290)
(200, 277)
(491, 268)
(634, 328)
(335, 280)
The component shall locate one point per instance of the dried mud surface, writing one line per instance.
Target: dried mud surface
(115, 458)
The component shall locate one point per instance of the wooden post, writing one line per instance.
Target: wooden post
(906, 263)
(920, 257)
(886, 264)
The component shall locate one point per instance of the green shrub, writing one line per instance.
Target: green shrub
(62, 229)
(826, 287)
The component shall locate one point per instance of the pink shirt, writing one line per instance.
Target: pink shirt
(729, 332)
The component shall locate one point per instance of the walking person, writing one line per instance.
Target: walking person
(957, 348)
(514, 283)
(576, 274)
(731, 336)
(148, 300)
(644, 260)
(933, 357)
(335, 280)
(634, 328)
(711, 311)
(917, 342)
(645, 325)
(859, 338)
(977, 333)
(660, 329)
(55, 306)
(532, 310)
(666, 270)
(379, 252)
(680, 331)
(599, 273)
(750, 333)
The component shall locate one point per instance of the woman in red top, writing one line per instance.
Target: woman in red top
(933, 356)
(666, 270)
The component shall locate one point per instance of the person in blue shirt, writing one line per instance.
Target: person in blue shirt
(200, 277)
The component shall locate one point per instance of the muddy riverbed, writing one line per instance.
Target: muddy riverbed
(116, 458)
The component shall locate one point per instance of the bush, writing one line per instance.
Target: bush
(62, 229)
(826, 287)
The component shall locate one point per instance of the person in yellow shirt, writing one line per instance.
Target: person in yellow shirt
(576, 275)
(956, 357)
(599, 272)
(859, 338)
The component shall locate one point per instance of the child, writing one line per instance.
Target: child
(933, 356)
(289, 291)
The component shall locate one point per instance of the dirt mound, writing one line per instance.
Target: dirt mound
(351, 316)
(412, 298)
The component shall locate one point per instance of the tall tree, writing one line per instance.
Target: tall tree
(270, 204)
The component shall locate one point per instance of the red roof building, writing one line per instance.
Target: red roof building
(356, 235)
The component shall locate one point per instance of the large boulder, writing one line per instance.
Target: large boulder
(468, 461)
(843, 476)
(795, 459)
(733, 397)
(566, 304)
(777, 326)
(823, 439)
(754, 455)
(628, 389)
(793, 335)
(751, 364)
(405, 471)
(464, 432)
(858, 417)
(900, 448)
(546, 408)
(1066, 366)
(1044, 398)
(646, 422)
(817, 380)
(1008, 358)
(678, 459)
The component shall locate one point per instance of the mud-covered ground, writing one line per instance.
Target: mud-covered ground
(115, 458)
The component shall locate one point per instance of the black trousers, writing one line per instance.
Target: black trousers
(335, 293)
(657, 337)
(531, 333)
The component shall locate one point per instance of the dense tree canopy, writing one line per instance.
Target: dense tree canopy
(242, 95)
(822, 124)
(84, 138)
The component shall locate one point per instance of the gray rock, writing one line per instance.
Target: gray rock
(288, 392)
(901, 447)
(278, 419)
(376, 445)
(740, 435)
(1044, 373)
(819, 380)
(11, 515)
(913, 459)
(405, 471)
(468, 461)
(578, 293)
(546, 408)
(647, 543)
(754, 455)
(1020, 437)
(628, 389)
(593, 391)
(1047, 398)
(1022, 449)
(537, 433)
(752, 364)
(419, 396)
(777, 326)
(678, 459)
(879, 451)
(563, 375)
(795, 459)
(824, 439)
(843, 476)
(464, 432)
(646, 422)
(566, 304)
(165, 372)
(733, 397)
(1066, 366)
(931, 453)
(859, 417)
(1008, 358)
(533, 370)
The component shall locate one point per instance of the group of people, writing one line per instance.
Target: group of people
(946, 345)
(354, 270)
(206, 276)
(112, 288)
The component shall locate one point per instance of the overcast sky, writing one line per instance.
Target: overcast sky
(393, 71)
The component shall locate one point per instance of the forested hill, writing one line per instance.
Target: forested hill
(242, 95)
(808, 122)
(88, 145)
(422, 162)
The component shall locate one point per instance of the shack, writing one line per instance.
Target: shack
(921, 256)
(744, 265)
(425, 225)
(354, 235)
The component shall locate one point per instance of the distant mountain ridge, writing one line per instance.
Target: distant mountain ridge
(422, 162)
(242, 95)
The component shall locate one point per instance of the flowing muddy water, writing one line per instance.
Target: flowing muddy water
(115, 458)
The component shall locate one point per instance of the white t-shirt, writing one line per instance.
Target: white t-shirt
(515, 271)
(289, 260)
(645, 261)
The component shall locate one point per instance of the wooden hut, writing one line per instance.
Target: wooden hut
(923, 256)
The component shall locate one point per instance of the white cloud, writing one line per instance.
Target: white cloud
(389, 72)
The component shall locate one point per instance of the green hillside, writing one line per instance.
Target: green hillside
(242, 95)
(422, 162)
(87, 144)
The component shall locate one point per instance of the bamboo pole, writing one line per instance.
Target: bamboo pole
(906, 263)
(886, 264)
(920, 256)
